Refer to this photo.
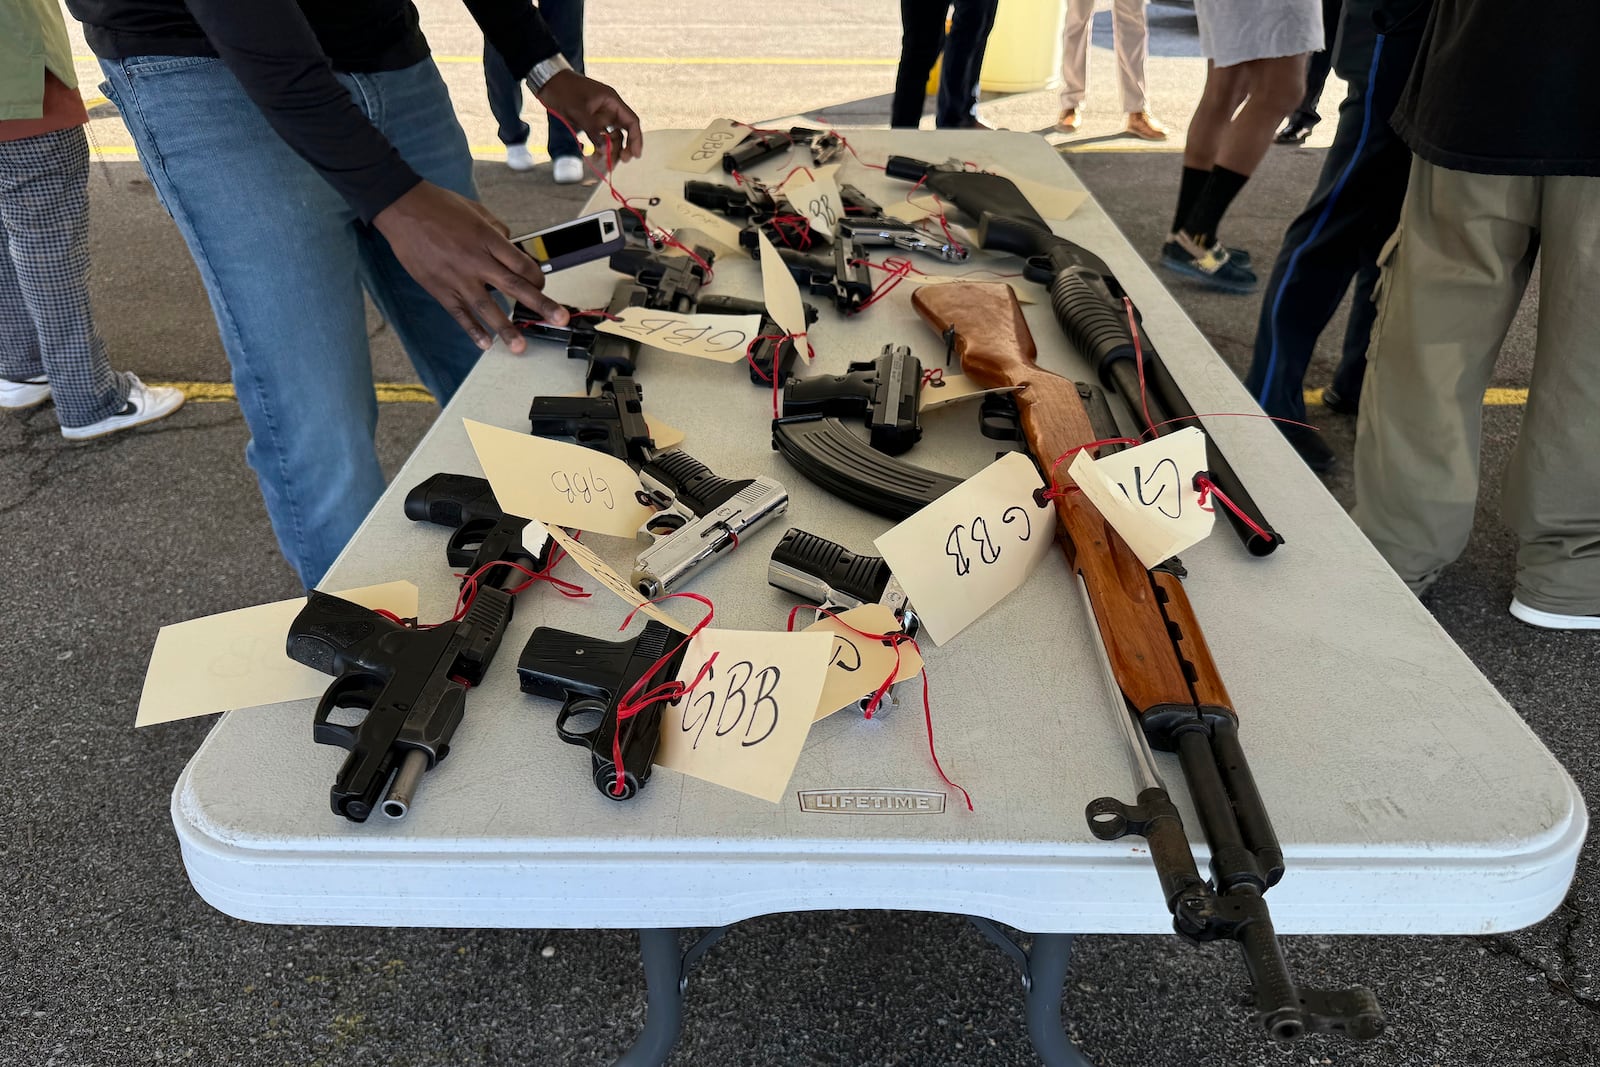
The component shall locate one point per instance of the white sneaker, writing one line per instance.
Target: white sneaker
(14, 396)
(518, 157)
(1549, 620)
(144, 405)
(568, 170)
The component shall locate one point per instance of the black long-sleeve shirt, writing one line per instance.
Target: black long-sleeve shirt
(285, 54)
(1498, 88)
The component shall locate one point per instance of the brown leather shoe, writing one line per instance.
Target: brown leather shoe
(1068, 122)
(1145, 126)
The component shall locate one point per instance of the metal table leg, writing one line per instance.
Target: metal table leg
(666, 975)
(1044, 975)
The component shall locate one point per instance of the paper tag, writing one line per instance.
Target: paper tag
(817, 199)
(912, 210)
(859, 664)
(663, 435)
(236, 659)
(745, 723)
(961, 555)
(600, 571)
(722, 338)
(953, 387)
(1147, 493)
(673, 213)
(1051, 201)
(704, 151)
(779, 291)
(557, 482)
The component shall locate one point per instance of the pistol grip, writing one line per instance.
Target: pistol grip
(449, 499)
(328, 627)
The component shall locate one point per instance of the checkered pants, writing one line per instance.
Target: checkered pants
(45, 322)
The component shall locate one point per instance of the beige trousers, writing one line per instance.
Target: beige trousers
(1459, 264)
(1132, 40)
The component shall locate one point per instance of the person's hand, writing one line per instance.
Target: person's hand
(457, 251)
(595, 110)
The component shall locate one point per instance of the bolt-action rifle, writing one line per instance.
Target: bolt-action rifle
(1094, 311)
(1165, 674)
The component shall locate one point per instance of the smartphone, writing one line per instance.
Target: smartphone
(570, 243)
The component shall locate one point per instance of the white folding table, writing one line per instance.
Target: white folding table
(1408, 796)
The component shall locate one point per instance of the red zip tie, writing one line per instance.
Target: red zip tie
(668, 240)
(633, 702)
(1138, 360)
(1056, 490)
(1208, 487)
(894, 640)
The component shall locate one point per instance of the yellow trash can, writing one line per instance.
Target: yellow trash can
(1024, 51)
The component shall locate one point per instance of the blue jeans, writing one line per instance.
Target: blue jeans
(285, 261)
(565, 18)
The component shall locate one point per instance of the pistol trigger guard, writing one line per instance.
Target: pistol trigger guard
(580, 706)
(347, 691)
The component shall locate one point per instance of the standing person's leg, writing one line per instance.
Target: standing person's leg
(1075, 30)
(277, 250)
(414, 112)
(566, 22)
(1464, 250)
(1131, 35)
(921, 38)
(1196, 252)
(1305, 116)
(44, 204)
(1550, 495)
(1224, 90)
(505, 103)
(957, 106)
(1339, 232)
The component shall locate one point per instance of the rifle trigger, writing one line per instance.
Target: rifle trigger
(949, 337)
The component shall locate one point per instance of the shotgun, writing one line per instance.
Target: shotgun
(1164, 671)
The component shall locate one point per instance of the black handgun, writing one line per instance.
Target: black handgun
(612, 422)
(886, 392)
(754, 149)
(484, 534)
(840, 274)
(590, 677)
(411, 683)
(829, 575)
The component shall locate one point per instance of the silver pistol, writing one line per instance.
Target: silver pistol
(701, 517)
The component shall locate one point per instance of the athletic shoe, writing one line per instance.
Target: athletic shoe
(1241, 256)
(1550, 620)
(14, 396)
(567, 170)
(1212, 267)
(144, 405)
(518, 157)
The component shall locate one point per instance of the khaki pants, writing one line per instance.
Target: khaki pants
(1132, 40)
(1460, 261)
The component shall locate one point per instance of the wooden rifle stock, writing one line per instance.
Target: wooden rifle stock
(1159, 659)
(996, 350)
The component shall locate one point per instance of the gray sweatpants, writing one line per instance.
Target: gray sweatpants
(1456, 274)
(45, 322)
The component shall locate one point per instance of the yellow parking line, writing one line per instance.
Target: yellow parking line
(689, 61)
(410, 393)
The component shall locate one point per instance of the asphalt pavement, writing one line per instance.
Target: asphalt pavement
(107, 956)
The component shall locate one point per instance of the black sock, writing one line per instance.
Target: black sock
(1194, 180)
(1212, 204)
